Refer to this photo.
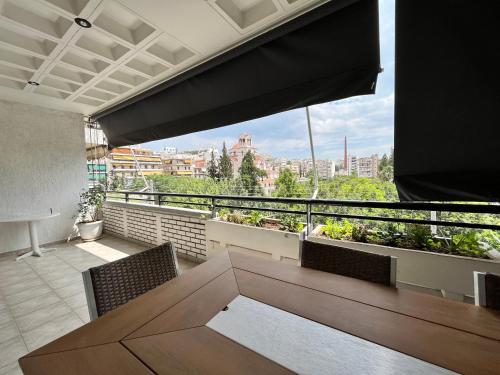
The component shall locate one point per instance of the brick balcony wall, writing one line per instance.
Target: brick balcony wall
(154, 225)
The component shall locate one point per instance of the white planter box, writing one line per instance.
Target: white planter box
(265, 242)
(451, 273)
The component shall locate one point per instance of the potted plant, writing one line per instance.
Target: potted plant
(90, 223)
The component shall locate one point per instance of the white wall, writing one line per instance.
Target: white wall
(42, 166)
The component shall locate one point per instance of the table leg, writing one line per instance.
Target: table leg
(34, 238)
(35, 245)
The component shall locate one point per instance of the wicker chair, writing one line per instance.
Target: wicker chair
(487, 290)
(113, 284)
(347, 262)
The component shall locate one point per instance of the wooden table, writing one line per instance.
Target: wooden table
(164, 331)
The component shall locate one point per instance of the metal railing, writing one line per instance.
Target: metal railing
(316, 207)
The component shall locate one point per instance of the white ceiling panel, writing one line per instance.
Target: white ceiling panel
(132, 45)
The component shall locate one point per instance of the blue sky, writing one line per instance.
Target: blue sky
(367, 121)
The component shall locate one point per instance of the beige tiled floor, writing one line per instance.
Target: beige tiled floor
(42, 299)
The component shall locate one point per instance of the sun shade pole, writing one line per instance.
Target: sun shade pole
(315, 172)
(311, 145)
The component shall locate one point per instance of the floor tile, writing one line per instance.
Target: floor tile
(27, 294)
(52, 266)
(70, 279)
(61, 272)
(83, 313)
(11, 350)
(8, 290)
(45, 260)
(51, 330)
(8, 331)
(26, 307)
(85, 265)
(70, 290)
(76, 301)
(7, 267)
(11, 369)
(16, 277)
(3, 304)
(5, 316)
(41, 316)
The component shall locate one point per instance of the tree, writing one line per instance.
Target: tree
(386, 167)
(286, 184)
(212, 170)
(250, 174)
(387, 173)
(137, 184)
(225, 165)
(384, 162)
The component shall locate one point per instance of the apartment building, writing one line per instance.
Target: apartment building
(131, 161)
(178, 165)
(363, 167)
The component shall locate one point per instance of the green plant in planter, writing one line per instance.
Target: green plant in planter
(360, 233)
(418, 237)
(255, 219)
(376, 237)
(490, 239)
(338, 230)
(90, 206)
(291, 223)
(223, 213)
(235, 217)
(467, 244)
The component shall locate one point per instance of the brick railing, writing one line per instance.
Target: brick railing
(154, 225)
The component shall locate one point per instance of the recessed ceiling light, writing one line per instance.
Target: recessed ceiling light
(33, 83)
(82, 22)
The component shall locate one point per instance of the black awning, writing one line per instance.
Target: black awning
(447, 129)
(329, 53)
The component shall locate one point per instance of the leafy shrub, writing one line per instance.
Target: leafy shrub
(418, 237)
(224, 212)
(90, 206)
(255, 219)
(338, 230)
(360, 233)
(490, 239)
(235, 217)
(292, 223)
(467, 244)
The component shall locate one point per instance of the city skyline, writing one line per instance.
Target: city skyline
(367, 121)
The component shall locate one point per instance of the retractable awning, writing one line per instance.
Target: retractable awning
(329, 53)
(447, 131)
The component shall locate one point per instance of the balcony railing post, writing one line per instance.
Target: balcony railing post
(157, 199)
(434, 218)
(308, 218)
(212, 208)
(126, 197)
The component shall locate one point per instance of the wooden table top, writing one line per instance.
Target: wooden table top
(164, 332)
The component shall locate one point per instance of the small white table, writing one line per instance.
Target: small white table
(32, 221)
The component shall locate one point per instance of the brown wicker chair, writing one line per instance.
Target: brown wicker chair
(487, 290)
(347, 262)
(115, 283)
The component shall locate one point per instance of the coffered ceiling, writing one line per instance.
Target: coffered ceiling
(132, 44)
